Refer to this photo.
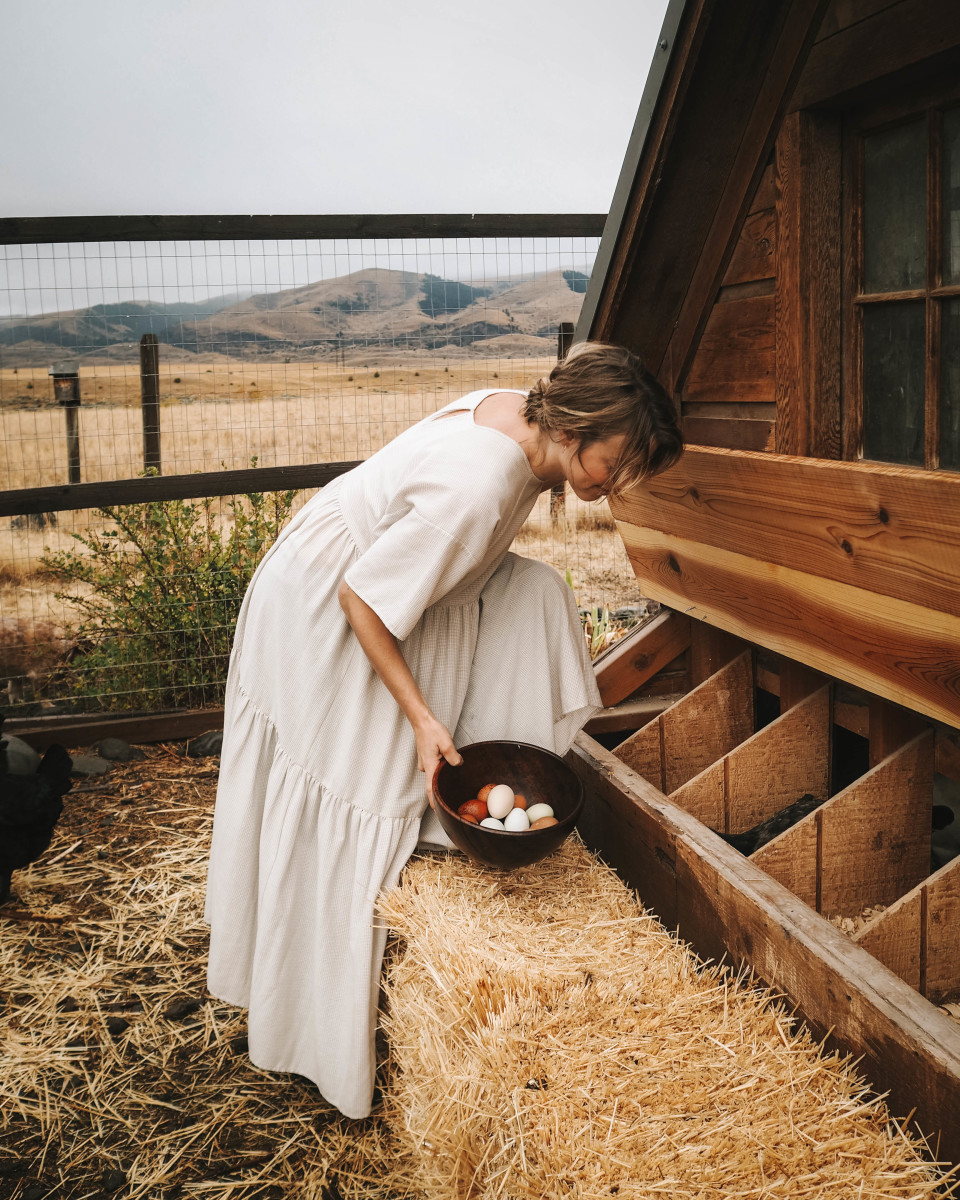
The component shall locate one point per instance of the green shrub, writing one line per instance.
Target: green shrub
(158, 592)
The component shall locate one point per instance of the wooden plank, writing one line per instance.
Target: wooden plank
(907, 34)
(726, 906)
(67, 497)
(32, 230)
(735, 410)
(907, 654)
(791, 859)
(948, 753)
(890, 728)
(875, 834)
(735, 357)
(74, 730)
(696, 731)
(941, 941)
(808, 292)
(710, 649)
(730, 433)
(630, 714)
(754, 254)
(685, 206)
(765, 195)
(785, 760)
(640, 655)
(843, 13)
(704, 797)
(796, 682)
(895, 936)
(890, 530)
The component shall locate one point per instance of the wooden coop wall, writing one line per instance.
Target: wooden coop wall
(707, 766)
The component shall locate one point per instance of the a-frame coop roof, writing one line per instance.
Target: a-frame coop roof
(730, 263)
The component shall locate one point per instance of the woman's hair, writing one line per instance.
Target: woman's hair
(599, 391)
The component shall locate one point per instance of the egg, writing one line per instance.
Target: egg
(470, 818)
(500, 800)
(544, 822)
(485, 791)
(516, 821)
(475, 808)
(519, 801)
(536, 811)
(491, 823)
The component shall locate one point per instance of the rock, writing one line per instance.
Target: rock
(205, 745)
(86, 765)
(117, 750)
(21, 758)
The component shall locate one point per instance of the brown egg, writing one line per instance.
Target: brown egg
(519, 801)
(474, 808)
(544, 822)
(485, 791)
(469, 818)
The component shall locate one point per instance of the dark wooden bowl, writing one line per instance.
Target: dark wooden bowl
(538, 774)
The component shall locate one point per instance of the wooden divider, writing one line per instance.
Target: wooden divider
(768, 771)
(697, 730)
(629, 663)
(918, 937)
(724, 905)
(867, 845)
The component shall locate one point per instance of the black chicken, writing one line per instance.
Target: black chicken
(766, 831)
(30, 806)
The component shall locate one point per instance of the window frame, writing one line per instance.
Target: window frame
(929, 104)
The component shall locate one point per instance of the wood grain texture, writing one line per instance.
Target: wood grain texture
(808, 285)
(875, 834)
(754, 256)
(765, 195)
(710, 649)
(890, 530)
(704, 797)
(724, 905)
(639, 655)
(707, 722)
(890, 728)
(730, 433)
(643, 753)
(735, 357)
(895, 649)
(791, 859)
(895, 936)
(912, 33)
(785, 760)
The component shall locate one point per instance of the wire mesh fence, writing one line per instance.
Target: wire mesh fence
(266, 353)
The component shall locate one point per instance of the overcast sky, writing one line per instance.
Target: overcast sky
(300, 106)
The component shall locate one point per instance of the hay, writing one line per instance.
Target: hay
(551, 1039)
(115, 1057)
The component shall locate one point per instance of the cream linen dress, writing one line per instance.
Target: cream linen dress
(319, 802)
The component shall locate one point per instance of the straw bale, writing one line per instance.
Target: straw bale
(551, 1039)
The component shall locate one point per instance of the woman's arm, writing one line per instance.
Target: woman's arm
(380, 646)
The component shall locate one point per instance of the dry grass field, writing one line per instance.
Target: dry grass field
(223, 415)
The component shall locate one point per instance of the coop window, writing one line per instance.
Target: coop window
(907, 293)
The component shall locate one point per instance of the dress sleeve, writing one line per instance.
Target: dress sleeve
(434, 536)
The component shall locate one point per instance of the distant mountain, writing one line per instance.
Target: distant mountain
(353, 316)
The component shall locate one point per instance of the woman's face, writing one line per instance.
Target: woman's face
(588, 471)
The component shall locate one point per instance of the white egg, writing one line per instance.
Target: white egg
(536, 811)
(516, 821)
(500, 801)
(491, 823)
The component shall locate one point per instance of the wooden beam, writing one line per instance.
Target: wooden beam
(629, 663)
(890, 728)
(724, 905)
(630, 714)
(808, 291)
(890, 530)
(76, 730)
(735, 357)
(907, 654)
(711, 648)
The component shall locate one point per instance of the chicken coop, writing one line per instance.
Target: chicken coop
(784, 253)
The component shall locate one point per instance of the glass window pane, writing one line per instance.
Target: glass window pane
(893, 381)
(894, 208)
(950, 387)
(951, 196)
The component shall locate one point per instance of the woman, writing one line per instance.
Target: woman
(388, 614)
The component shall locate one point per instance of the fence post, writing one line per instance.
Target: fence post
(66, 389)
(150, 400)
(558, 501)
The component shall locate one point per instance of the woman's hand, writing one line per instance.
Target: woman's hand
(433, 744)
